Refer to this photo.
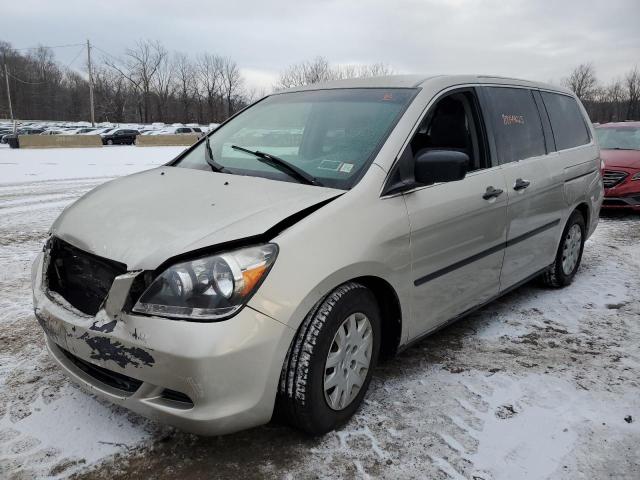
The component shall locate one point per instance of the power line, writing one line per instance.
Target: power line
(24, 81)
(114, 58)
(53, 46)
(76, 57)
(17, 79)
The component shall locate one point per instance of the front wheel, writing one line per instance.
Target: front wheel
(569, 253)
(329, 364)
(109, 142)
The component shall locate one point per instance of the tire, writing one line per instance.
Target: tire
(302, 401)
(109, 142)
(561, 273)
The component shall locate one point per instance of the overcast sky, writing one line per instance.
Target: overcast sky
(533, 39)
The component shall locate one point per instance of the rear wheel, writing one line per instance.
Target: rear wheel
(329, 364)
(569, 253)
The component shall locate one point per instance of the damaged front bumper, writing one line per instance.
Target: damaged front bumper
(206, 378)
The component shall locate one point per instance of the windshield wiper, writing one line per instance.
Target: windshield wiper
(215, 166)
(281, 165)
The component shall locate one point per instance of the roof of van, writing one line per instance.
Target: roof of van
(413, 81)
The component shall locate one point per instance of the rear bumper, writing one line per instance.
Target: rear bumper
(228, 371)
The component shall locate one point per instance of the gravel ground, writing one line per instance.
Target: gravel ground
(540, 384)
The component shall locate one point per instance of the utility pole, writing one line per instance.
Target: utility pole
(93, 117)
(6, 76)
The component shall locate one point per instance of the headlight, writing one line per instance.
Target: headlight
(208, 288)
(636, 176)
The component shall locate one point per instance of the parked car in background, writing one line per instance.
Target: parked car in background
(179, 131)
(85, 130)
(5, 131)
(620, 151)
(246, 277)
(12, 139)
(98, 131)
(120, 136)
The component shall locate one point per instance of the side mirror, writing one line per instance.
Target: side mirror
(435, 166)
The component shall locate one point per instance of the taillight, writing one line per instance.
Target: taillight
(602, 165)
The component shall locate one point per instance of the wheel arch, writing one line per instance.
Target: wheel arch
(583, 208)
(387, 298)
(390, 312)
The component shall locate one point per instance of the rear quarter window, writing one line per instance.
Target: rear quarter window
(568, 124)
(516, 123)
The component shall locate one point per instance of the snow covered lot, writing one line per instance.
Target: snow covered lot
(541, 384)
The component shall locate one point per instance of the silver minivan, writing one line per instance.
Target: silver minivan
(269, 266)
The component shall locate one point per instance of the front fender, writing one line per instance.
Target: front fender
(351, 237)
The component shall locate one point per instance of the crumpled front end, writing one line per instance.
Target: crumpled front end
(205, 377)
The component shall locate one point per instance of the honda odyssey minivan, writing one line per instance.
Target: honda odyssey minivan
(268, 267)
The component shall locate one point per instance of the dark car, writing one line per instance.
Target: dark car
(5, 131)
(620, 150)
(12, 138)
(122, 136)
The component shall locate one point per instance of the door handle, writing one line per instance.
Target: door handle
(492, 192)
(521, 184)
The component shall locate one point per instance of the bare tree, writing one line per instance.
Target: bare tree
(140, 66)
(305, 73)
(318, 70)
(614, 97)
(231, 82)
(632, 83)
(210, 80)
(111, 94)
(582, 81)
(185, 79)
(163, 85)
(360, 71)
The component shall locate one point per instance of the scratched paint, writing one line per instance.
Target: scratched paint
(103, 348)
(108, 327)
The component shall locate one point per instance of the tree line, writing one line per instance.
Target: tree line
(616, 101)
(148, 83)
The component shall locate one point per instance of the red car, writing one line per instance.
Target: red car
(620, 150)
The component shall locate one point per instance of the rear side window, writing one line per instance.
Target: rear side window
(567, 121)
(516, 123)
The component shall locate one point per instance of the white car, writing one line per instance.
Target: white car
(178, 131)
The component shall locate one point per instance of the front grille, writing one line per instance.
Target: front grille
(614, 202)
(112, 379)
(81, 278)
(612, 178)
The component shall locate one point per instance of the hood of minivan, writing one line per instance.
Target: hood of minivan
(621, 158)
(146, 218)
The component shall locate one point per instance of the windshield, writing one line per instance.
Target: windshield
(332, 135)
(623, 138)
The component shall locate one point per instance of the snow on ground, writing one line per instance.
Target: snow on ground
(36, 165)
(540, 384)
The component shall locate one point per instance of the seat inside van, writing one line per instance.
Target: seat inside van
(451, 126)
